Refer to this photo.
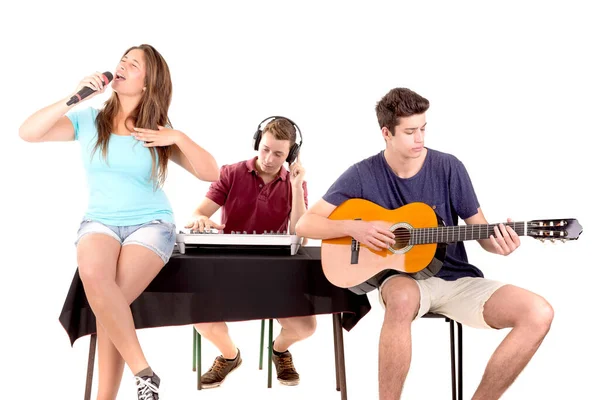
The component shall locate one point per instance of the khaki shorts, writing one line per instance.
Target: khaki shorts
(461, 300)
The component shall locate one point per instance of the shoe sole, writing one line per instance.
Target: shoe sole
(289, 383)
(215, 385)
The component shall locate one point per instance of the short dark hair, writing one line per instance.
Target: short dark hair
(399, 102)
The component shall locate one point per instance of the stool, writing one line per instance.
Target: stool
(457, 390)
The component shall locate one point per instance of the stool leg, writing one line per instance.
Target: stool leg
(270, 355)
(453, 359)
(262, 343)
(198, 360)
(194, 351)
(90, 368)
(335, 354)
(460, 361)
(337, 326)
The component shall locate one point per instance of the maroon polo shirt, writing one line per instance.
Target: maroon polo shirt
(250, 205)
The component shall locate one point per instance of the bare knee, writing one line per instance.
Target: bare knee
(302, 327)
(94, 275)
(210, 329)
(307, 326)
(401, 297)
(539, 315)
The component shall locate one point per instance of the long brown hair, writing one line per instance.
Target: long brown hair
(151, 111)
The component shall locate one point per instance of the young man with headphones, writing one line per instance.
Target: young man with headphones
(258, 195)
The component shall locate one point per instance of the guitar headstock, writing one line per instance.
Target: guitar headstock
(554, 229)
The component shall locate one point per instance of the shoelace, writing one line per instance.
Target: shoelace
(286, 363)
(145, 388)
(218, 366)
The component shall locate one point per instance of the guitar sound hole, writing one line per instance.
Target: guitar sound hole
(402, 238)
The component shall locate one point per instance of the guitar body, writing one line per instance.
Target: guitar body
(367, 269)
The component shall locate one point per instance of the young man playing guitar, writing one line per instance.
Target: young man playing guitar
(407, 172)
(258, 195)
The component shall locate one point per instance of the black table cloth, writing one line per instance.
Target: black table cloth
(210, 285)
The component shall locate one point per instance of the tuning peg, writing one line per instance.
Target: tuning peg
(542, 240)
(552, 240)
(563, 240)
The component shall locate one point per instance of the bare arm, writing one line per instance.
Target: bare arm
(315, 224)
(297, 172)
(298, 207)
(50, 123)
(185, 152)
(504, 241)
(200, 217)
(207, 208)
(195, 159)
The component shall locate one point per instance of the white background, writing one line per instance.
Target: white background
(514, 94)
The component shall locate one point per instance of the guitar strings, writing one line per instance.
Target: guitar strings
(421, 233)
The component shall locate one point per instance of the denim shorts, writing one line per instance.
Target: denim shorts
(157, 235)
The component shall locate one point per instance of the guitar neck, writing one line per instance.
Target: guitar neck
(449, 234)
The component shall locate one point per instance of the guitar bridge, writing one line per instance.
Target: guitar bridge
(354, 249)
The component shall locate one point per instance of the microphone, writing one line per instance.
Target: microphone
(86, 91)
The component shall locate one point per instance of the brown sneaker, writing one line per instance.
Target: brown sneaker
(219, 370)
(286, 373)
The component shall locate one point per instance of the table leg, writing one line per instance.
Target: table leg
(90, 368)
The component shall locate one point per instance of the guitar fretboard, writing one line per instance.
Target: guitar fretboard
(450, 234)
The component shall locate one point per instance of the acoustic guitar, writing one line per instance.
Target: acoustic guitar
(420, 242)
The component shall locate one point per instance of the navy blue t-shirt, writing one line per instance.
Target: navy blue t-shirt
(443, 183)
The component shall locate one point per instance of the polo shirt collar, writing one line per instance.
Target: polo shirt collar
(251, 165)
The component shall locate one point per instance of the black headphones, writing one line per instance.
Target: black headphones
(294, 150)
